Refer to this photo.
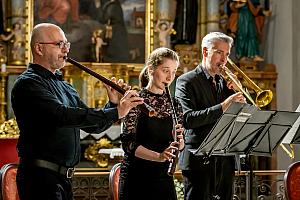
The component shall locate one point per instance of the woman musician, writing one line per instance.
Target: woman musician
(148, 141)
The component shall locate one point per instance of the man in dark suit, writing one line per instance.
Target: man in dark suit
(205, 95)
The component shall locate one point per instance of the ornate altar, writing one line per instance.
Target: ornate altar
(19, 18)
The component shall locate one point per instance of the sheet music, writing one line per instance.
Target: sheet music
(290, 135)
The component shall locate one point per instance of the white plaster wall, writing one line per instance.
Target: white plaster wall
(280, 51)
(296, 53)
(283, 49)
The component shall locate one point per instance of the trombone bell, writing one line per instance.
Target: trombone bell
(263, 97)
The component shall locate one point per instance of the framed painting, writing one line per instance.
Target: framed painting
(100, 31)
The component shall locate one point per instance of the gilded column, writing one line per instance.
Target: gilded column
(149, 29)
(67, 76)
(203, 15)
(3, 99)
(15, 24)
(213, 15)
(89, 89)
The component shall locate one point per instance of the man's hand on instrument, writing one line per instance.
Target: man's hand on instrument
(130, 100)
(234, 85)
(113, 95)
(237, 97)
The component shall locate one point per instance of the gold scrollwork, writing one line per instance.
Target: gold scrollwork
(9, 129)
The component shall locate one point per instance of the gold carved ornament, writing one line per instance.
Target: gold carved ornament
(92, 152)
(9, 129)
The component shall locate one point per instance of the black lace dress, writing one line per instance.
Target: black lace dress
(140, 178)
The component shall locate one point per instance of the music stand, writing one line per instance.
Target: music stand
(245, 130)
(293, 136)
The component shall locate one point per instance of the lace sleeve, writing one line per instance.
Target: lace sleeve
(128, 135)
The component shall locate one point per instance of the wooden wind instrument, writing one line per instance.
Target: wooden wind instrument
(143, 107)
(173, 161)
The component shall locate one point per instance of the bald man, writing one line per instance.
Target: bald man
(50, 115)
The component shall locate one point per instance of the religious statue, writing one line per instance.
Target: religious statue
(245, 25)
(164, 30)
(16, 37)
(98, 42)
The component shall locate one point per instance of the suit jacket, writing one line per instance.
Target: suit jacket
(201, 104)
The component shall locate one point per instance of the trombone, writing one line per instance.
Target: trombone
(263, 97)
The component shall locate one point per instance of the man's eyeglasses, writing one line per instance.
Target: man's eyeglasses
(60, 44)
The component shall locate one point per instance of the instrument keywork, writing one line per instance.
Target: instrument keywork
(173, 161)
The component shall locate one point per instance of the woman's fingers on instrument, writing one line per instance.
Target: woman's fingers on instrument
(172, 144)
(179, 137)
(163, 157)
(168, 152)
(169, 155)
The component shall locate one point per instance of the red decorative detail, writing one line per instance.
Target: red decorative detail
(292, 181)
(8, 151)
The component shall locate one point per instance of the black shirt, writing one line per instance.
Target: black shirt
(50, 115)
